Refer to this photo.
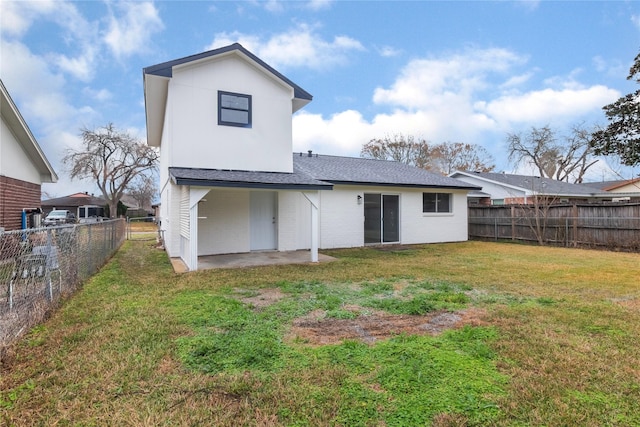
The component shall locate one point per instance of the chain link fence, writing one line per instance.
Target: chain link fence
(41, 266)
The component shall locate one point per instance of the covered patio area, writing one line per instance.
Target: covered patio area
(250, 259)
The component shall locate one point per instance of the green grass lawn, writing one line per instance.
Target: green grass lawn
(553, 340)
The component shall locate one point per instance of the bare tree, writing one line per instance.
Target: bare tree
(449, 157)
(143, 190)
(566, 160)
(113, 159)
(404, 150)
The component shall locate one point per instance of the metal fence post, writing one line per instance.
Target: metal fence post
(11, 294)
(48, 260)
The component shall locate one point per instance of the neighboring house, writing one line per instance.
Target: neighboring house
(509, 189)
(230, 184)
(23, 167)
(626, 189)
(82, 205)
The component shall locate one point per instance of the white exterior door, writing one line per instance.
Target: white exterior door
(263, 221)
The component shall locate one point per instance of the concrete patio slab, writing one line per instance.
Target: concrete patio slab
(251, 259)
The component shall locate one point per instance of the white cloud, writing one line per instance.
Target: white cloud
(432, 83)
(298, 47)
(635, 19)
(476, 96)
(100, 95)
(273, 5)
(341, 134)
(29, 79)
(388, 51)
(319, 4)
(81, 67)
(130, 33)
(17, 17)
(517, 80)
(611, 68)
(548, 105)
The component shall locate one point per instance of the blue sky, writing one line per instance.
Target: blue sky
(443, 71)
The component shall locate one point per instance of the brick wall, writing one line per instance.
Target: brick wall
(14, 196)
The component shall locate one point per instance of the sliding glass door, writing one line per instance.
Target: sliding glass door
(381, 218)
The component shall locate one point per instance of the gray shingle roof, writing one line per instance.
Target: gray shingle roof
(538, 184)
(356, 170)
(319, 172)
(74, 200)
(601, 185)
(246, 179)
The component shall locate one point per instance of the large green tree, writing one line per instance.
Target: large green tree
(621, 137)
(113, 159)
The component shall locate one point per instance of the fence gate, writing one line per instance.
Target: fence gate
(142, 228)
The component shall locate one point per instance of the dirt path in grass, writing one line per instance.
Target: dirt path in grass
(369, 325)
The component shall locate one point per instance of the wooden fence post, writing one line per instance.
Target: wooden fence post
(574, 214)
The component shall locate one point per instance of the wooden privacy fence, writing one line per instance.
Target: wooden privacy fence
(611, 226)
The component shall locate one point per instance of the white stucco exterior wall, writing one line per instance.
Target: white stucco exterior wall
(342, 218)
(196, 139)
(223, 226)
(419, 227)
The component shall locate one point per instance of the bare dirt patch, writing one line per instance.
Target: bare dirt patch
(633, 304)
(265, 297)
(369, 326)
(315, 329)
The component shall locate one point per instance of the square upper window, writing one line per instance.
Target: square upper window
(436, 202)
(234, 109)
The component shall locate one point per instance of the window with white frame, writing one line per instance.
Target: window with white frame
(234, 109)
(436, 202)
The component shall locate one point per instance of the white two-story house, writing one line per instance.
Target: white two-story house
(230, 183)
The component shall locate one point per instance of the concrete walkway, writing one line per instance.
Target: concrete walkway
(251, 259)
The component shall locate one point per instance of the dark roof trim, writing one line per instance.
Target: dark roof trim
(238, 184)
(165, 69)
(387, 184)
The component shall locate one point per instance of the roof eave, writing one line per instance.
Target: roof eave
(408, 185)
(242, 184)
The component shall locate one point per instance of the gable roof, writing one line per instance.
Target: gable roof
(14, 120)
(533, 184)
(165, 69)
(156, 79)
(319, 172)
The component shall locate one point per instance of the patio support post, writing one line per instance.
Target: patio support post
(195, 195)
(314, 200)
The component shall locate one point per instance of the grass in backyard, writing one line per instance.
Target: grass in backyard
(553, 342)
